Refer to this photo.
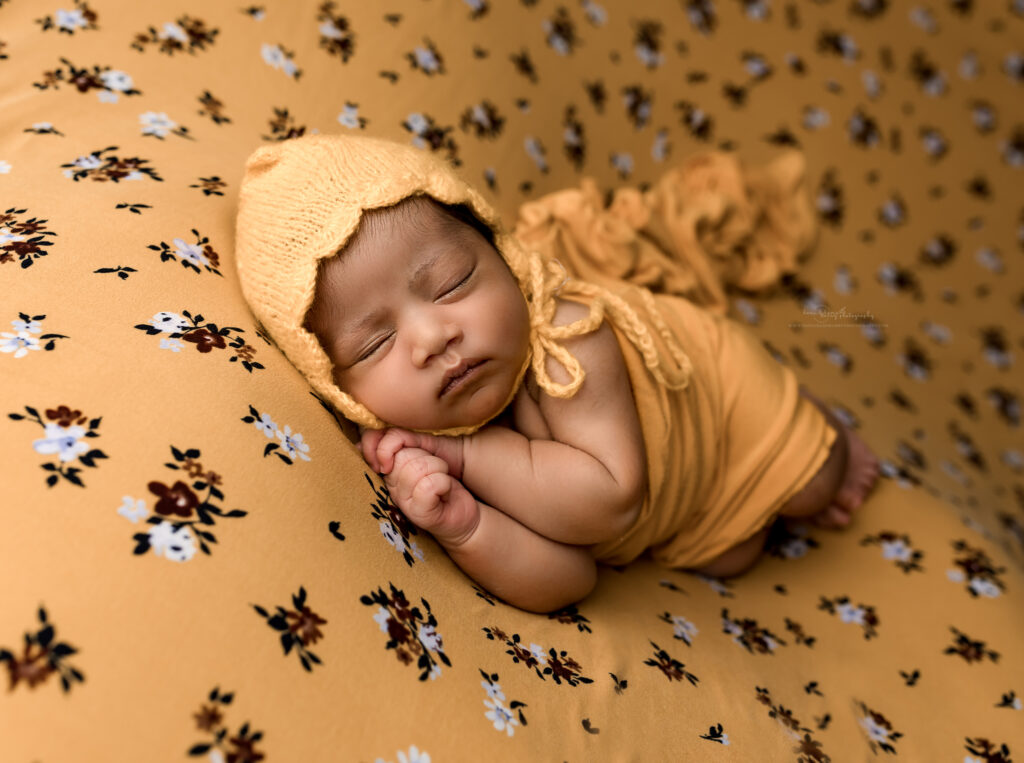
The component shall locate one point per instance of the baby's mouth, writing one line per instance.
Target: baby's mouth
(456, 376)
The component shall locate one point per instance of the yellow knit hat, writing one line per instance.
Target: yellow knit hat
(302, 199)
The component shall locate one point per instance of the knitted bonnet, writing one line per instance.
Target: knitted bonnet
(301, 201)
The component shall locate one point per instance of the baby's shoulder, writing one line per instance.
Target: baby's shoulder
(568, 311)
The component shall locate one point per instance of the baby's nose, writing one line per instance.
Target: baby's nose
(433, 339)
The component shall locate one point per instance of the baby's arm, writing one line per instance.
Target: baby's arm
(511, 561)
(583, 484)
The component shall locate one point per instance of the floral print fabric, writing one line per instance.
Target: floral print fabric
(198, 565)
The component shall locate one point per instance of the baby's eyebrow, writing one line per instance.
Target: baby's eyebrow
(422, 270)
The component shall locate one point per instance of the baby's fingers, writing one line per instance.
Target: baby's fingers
(390, 444)
(368, 442)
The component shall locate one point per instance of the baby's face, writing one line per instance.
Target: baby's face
(423, 320)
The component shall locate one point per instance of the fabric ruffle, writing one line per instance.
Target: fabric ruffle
(706, 225)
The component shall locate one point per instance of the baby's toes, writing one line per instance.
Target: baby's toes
(832, 517)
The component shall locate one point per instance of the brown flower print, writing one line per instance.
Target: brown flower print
(396, 529)
(211, 186)
(991, 752)
(177, 500)
(809, 749)
(283, 126)
(335, 35)
(213, 108)
(751, 636)
(65, 417)
(298, 628)
(185, 514)
(205, 335)
(233, 748)
(557, 664)
(23, 240)
(304, 625)
(673, 669)
(977, 571)
(185, 34)
(208, 718)
(41, 657)
(101, 169)
(205, 341)
(971, 651)
(410, 631)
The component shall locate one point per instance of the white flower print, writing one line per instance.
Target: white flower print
(266, 425)
(7, 237)
(43, 126)
(984, 587)
(417, 123)
(381, 618)
(293, 444)
(172, 344)
(32, 327)
(172, 31)
(430, 638)
(64, 441)
(19, 343)
(275, 57)
(896, 549)
(876, 732)
(349, 117)
(596, 14)
(191, 252)
(156, 123)
(133, 509)
(329, 30)
(956, 576)
(501, 717)
(539, 654)
(683, 629)
(660, 149)
(623, 162)
(71, 20)
(177, 545)
(172, 323)
(851, 614)
(117, 80)
(89, 162)
(392, 536)
(795, 548)
(415, 756)
(426, 59)
(493, 690)
(536, 152)
(5, 167)
(105, 96)
(216, 756)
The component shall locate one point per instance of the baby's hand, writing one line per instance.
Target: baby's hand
(430, 497)
(380, 447)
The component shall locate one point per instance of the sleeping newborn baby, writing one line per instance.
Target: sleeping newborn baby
(534, 423)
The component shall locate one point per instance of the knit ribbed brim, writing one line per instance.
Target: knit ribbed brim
(300, 201)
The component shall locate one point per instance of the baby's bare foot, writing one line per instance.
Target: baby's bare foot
(861, 475)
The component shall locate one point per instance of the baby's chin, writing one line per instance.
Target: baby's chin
(481, 408)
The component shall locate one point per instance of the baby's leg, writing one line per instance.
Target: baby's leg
(843, 481)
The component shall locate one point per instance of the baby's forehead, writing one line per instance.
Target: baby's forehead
(415, 215)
